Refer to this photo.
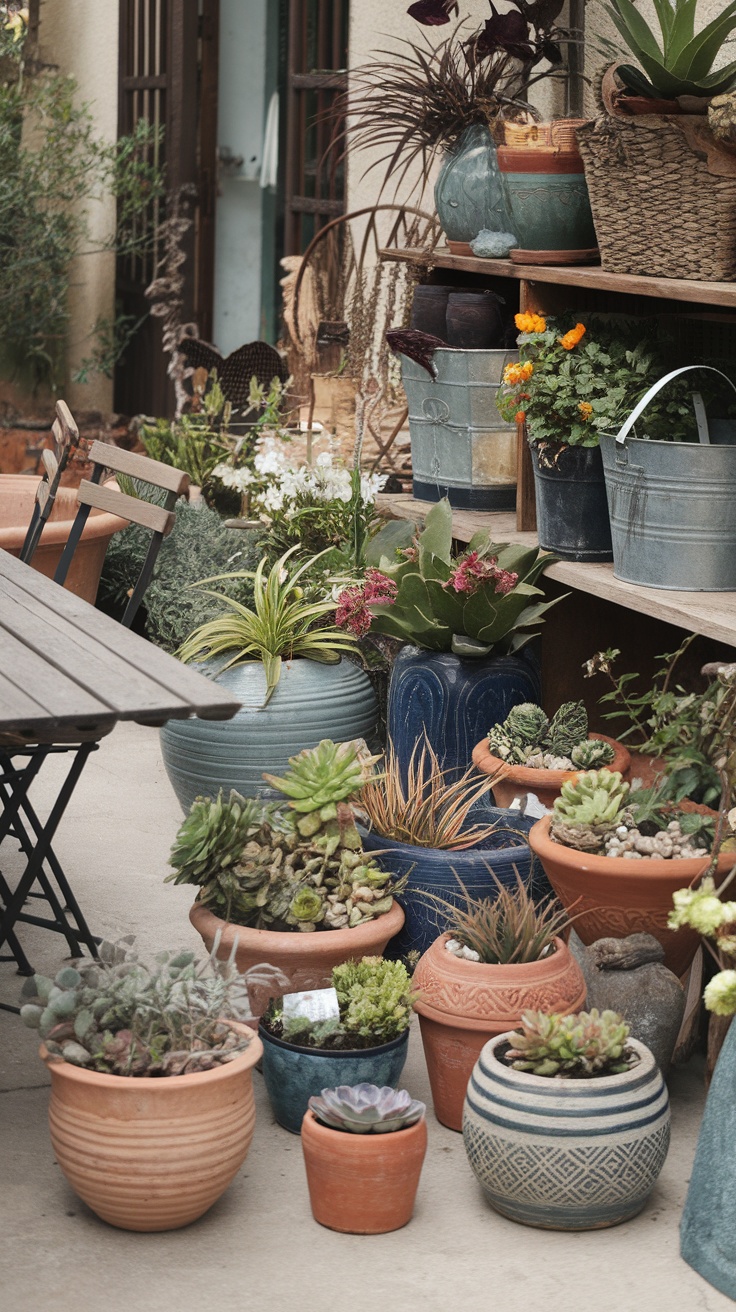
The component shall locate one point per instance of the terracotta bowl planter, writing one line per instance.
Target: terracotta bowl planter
(362, 1184)
(306, 959)
(618, 896)
(152, 1154)
(547, 784)
(463, 1004)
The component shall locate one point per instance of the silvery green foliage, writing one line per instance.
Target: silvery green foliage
(119, 1016)
(366, 1109)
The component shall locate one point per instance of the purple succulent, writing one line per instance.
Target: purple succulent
(433, 13)
(366, 1109)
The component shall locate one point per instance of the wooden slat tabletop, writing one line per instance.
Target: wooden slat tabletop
(66, 667)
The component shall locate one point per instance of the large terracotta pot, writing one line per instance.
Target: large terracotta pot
(362, 1184)
(17, 498)
(547, 784)
(306, 959)
(463, 1004)
(612, 897)
(566, 1154)
(152, 1154)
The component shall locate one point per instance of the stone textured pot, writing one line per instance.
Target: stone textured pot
(306, 959)
(462, 1004)
(312, 702)
(362, 1184)
(612, 897)
(152, 1154)
(547, 784)
(469, 194)
(708, 1227)
(293, 1075)
(566, 1154)
(455, 700)
(628, 975)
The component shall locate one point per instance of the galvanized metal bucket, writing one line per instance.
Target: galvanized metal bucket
(460, 446)
(673, 504)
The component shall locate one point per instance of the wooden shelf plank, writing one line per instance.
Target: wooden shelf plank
(711, 613)
(587, 276)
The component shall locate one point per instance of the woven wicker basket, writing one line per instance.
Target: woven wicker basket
(559, 135)
(663, 195)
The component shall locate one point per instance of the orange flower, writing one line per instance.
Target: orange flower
(520, 416)
(530, 323)
(571, 339)
(585, 409)
(518, 373)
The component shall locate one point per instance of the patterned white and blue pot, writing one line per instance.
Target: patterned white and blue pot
(566, 1154)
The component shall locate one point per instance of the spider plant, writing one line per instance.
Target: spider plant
(429, 811)
(510, 929)
(283, 624)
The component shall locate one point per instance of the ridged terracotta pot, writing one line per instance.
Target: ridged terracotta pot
(612, 897)
(306, 959)
(362, 1184)
(547, 784)
(463, 1004)
(152, 1154)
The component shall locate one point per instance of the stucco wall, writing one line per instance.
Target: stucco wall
(81, 38)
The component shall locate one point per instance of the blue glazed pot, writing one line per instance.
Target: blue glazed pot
(549, 210)
(312, 702)
(468, 194)
(293, 1075)
(708, 1226)
(455, 700)
(433, 871)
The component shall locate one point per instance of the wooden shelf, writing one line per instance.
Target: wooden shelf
(711, 613)
(586, 276)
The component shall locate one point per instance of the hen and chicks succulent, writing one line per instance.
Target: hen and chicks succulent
(599, 812)
(527, 737)
(588, 1044)
(366, 1109)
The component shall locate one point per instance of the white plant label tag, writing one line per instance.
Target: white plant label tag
(314, 1004)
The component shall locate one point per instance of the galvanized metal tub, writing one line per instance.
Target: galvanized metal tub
(460, 446)
(672, 506)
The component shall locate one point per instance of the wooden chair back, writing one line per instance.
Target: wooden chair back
(66, 441)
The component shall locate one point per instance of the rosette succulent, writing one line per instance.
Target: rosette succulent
(366, 1109)
(213, 836)
(591, 1043)
(528, 738)
(589, 809)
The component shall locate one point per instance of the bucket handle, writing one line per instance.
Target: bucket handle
(639, 409)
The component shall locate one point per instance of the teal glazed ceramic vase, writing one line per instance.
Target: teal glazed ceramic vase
(311, 702)
(708, 1226)
(547, 200)
(566, 1154)
(469, 194)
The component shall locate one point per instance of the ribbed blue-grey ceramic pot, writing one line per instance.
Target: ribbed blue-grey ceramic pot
(430, 870)
(566, 1154)
(708, 1226)
(455, 700)
(312, 702)
(469, 193)
(292, 1075)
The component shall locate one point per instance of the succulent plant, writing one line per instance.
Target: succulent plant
(527, 737)
(366, 1109)
(375, 1000)
(213, 836)
(508, 927)
(568, 728)
(591, 754)
(595, 797)
(527, 724)
(503, 746)
(317, 782)
(588, 1044)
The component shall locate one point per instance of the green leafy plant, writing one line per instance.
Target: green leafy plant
(213, 836)
(318, 783)
(366, 1109)
(587, 1045)
(706, 910)
(679, 62)
(375, 1000)
(596, 797)
(506, 929)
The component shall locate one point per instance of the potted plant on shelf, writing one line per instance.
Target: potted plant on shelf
(439, 834)
(530, 753)
(282, 658)
(363, 1151)
(585, 1127)
(292, 887)
(464, 618)
(152, 1110)
(365, 1043)
(616, 855)
(498, 956)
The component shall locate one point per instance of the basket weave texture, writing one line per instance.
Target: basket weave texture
(558, 135)
(663, 196)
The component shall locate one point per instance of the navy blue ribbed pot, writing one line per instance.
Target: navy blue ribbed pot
(456, 700)
(431, 870)
(293, 1075)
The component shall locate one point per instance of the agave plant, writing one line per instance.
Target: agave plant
(680, 63)
(366, 1109)
(507, 929)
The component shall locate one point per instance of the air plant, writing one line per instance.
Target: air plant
(508, 929)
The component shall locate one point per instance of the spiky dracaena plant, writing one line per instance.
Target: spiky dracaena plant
(591, 1043)
(508, 928)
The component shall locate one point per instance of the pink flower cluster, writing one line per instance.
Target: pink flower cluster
(473, 572)
(352, 604)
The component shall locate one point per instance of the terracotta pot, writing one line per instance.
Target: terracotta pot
(547, 784)
(152, 1154)
(646, 767)
(307, 959)
(463, 1004)
(362, 1184)
(17, 497)
(618, 896)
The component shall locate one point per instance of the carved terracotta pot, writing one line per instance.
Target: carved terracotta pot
(612, 897)
(462, 1004)
(362, 1184)
(547, 784)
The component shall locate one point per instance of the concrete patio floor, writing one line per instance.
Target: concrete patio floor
(259, 1248)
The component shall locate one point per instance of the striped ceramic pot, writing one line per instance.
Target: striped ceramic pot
(566, 1154)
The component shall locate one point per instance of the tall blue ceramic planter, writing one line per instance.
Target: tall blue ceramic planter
(708, 1227)
(455, 700)
(469, 192)
(293, 1075)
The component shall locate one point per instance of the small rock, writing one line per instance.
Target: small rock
(493, 245)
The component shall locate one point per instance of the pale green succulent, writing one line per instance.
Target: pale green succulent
(592, 754)
(212, 837)
(594, 798)
(318, 780)
(591, 1043)
(366, 1109)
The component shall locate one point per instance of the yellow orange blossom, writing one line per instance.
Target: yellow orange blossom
(571, 339)
(520, 416)
(585, 409)
(530, 323)
(518, 373)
